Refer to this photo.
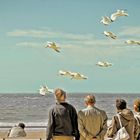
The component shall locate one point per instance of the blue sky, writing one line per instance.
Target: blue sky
(25, 26)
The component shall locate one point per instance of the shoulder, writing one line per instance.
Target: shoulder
(102, 112)
(70, 106)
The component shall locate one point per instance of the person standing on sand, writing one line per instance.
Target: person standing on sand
(127, 119)
(62, 122)
(137, 115)
(17, 131)
(92, 122)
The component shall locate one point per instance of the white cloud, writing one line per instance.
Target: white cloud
(130, 31)
(28, 44)
(49, 34)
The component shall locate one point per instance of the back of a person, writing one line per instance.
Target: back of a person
(17, 132)
(92, 122)
(128, 121)
(62, 119)
(93, 119)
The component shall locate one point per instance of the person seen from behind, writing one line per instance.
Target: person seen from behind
(62, 123)
(127, 120)
(137, 115)
(92, 122)
(17, 131)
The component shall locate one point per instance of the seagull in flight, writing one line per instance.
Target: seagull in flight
(106, 20)
(65, 73)
(104, 64)
(117, 14)
(110, 34)
(53, 46)
(78, 76)
(132, 42)
(45, 90)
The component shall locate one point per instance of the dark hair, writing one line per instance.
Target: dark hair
(22, 125)
(59, 93)
(120, 104)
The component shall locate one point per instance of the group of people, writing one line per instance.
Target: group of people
(65, 123)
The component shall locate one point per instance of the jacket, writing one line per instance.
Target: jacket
(137, 117)
(127, 120)
(92, 122)
(16, 131)
(62, 121)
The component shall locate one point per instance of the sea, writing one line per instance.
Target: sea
(32, 109)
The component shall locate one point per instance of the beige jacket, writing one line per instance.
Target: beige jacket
(127, 120)
(92, 122)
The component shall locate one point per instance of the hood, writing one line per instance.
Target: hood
(127, 114)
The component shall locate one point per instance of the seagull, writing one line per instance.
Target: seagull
(117, 14)
(132, 42)
(106, 20)
(104, 64)
(65, 73)
(110, 34)
(44, 90)
(78, 76)
(53, 46)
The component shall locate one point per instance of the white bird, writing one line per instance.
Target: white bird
(117, 14)
(110, 34)
(104, 64)
(78, 76)
(65, 73)
(44, 90)
(132, 42)
(53, 46)
(105, 20)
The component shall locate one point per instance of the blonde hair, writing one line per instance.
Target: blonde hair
(90, 99)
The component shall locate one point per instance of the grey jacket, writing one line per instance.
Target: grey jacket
(62, 121)
(127, 120)
(16, 131)
(92, 122)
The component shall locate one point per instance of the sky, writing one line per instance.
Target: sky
(74, 25)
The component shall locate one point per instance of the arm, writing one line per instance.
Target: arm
(74, 119)
(112, 128)
(104, 127)
(136, 128)
(81, 126)
(50, 126)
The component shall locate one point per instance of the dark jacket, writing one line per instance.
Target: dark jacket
(62, 121)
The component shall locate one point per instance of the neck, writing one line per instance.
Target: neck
(90, 105)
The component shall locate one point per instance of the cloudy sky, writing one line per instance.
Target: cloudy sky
(74, 25)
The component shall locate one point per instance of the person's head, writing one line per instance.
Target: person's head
(137, 105)
(120, 104)
(90, 100)
(60, 95)
(22, 125)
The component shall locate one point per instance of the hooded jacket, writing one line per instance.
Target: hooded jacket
(128, 121)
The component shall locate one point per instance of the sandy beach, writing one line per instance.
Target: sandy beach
(31, 134)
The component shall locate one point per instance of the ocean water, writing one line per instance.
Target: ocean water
(32, 109)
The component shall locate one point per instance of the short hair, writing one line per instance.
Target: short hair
(121, 104)
(137, 103)
(59, 93)
(90, 99)
(22, 125)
